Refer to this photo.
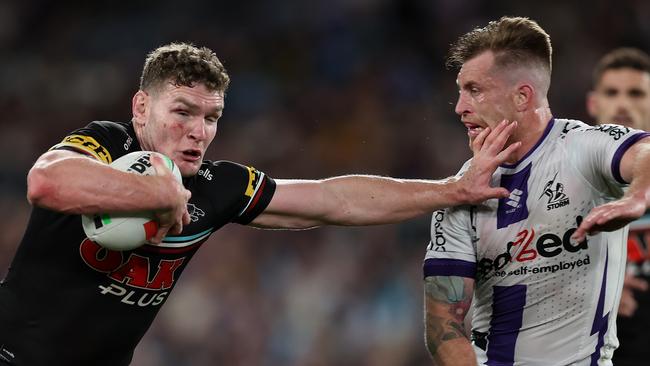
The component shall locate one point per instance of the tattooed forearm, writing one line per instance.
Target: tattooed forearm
(451, 292)
(447, 302)
(440, 330)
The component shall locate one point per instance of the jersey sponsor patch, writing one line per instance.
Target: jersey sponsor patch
(513, 209)
(530, 245)
(86, 144)
(254, 178)
(135, 279)
(615, 131)
(254, 189)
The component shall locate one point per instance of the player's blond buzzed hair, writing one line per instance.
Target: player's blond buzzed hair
(183, 64)
(513, 40)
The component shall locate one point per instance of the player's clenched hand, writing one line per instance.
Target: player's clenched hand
(610, 216)
(173, 217)
(488, 155)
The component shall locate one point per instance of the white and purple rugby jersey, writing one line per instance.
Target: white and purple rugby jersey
(541, 298)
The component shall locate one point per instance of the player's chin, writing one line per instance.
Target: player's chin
(473, 133)
(188, 168)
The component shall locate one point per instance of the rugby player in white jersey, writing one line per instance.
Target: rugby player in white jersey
(543, 267)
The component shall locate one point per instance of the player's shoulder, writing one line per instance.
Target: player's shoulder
(222, 166)
(110, 128)
(232, 185)
(220, 171)
(570, 126)
(104, 140)
(579, 129)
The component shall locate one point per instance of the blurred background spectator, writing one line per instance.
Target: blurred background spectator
(319, 88)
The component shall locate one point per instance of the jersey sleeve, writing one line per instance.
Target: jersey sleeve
(596, 151)
(243, 190)
(451, 250)
(97, 140)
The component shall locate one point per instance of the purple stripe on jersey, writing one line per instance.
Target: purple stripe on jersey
(449, 267)
(618, 155)
(548, 129)
(507, 316)
(600, 322)
(513, 208)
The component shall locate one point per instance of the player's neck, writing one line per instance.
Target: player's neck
(530, 130)
(140, 135)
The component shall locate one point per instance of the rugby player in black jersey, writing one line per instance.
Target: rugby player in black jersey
(68, 301)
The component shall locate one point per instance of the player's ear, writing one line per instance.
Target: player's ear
(524, 96)
(139, 106)
(592, 104)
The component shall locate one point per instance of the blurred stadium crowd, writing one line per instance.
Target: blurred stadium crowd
(318, 89)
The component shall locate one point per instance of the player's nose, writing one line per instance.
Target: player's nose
(462, 107)
(198, 131)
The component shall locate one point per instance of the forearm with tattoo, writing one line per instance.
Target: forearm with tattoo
(447, 302)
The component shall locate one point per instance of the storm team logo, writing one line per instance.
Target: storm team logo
(555, 193)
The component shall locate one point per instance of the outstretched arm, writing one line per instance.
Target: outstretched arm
(447, 300)
(371, 200)
(635, 168)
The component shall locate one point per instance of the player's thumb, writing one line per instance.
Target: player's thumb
(159, 165)
(499, 192)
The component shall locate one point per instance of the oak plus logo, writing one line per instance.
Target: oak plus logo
(555, 193)
(136, 280)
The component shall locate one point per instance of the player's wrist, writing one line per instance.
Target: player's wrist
(459, 192)
(165, 193)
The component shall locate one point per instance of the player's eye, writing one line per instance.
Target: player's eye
(636, 93)
(610, 92)
(473, 90)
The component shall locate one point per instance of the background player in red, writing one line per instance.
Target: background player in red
(621, 95)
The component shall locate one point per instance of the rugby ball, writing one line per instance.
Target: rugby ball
(127, 231)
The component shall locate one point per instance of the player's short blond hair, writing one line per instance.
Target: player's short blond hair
(515, 41)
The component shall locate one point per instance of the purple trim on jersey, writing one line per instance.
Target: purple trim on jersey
(449, 267)
(507, 317)
(618, 155)
(600, 322)
(548, 129)
(513, 209)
